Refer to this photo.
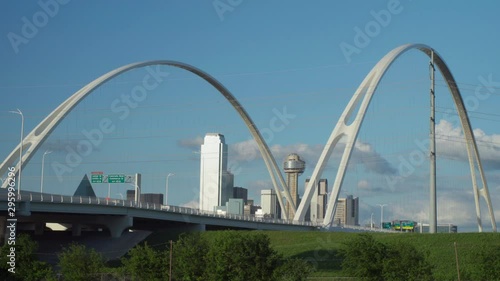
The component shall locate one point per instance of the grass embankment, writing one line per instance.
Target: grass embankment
(322, 249)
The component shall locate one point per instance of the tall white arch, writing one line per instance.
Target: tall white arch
(362, 97)
(33, 140)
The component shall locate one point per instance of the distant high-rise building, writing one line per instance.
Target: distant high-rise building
(235, 206)
(216, 183)
(240, 193)
(268, 202)
(347, 211)
(440, 228)
(319, 201)
(249, 208)
(152, 198)
(293, 167)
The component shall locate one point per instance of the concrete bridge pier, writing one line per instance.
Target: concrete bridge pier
(116, 224)
(39, 228)
(76, 229)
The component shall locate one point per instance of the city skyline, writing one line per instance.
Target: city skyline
(294, 78)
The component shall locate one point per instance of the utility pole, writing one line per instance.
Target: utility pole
(371, 221)
(432, 153)
(170, 263)
(456, 259)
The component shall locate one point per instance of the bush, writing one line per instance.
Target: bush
(78, 263)
(367, 258)
(145, 263)
(27, 265)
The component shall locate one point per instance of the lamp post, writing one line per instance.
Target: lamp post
(381, 214)
(20, 151)
(137, 194)
(166, 187)
(371, 221)
(43, 162)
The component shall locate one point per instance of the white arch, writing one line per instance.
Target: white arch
(34, 139)
(364, 94)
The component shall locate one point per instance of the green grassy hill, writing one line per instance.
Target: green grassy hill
(321, 249)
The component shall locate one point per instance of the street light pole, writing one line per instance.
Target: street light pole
(381, 214)
(20, 151)
(371, 221)
(137, 195)
(43, 162)
(166, 187)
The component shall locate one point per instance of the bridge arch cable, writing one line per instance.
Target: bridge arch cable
(349, 129)
(37, 136)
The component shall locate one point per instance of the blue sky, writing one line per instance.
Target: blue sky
(275, 57)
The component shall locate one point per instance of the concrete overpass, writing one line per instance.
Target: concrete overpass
(34, 210)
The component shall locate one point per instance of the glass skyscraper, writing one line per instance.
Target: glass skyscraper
(216, 183)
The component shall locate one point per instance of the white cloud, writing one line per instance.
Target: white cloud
(191, 204)
(451, 144)
(363, 153)
(364, 184)
(193, 144)
(453, 207)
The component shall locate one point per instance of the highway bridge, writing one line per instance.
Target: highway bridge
(34, 210)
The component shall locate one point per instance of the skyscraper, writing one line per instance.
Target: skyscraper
(240, 192)
(268, 202)
(294, 167)
(347, 211)
(319, 201)
(216, 183)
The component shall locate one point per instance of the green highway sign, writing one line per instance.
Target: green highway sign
(116, 179)
(96, 178)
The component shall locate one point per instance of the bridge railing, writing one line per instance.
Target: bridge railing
(55, 198)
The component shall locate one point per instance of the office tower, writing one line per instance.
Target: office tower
(216, 183)
(319, 201)
(347, 211)
(293, 167)
(241, 193)
(268, 202)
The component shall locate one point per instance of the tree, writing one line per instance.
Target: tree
(235, 256)
(293, 270)
(364, 257)
(145, 263)
(27, 265)
(404, 262)
(189, 257)
(489, 265)
(240, 256)
(79, 263)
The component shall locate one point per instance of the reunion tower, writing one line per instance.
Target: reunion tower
(293, 167)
